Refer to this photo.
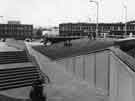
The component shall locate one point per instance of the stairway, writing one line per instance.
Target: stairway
(16, 70)
(13, 57)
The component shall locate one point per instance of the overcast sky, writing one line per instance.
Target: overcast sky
(53, 12)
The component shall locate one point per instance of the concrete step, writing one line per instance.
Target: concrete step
(18, 77)
(16, 70)
(13, 57)
(16, 65)
(13, 61)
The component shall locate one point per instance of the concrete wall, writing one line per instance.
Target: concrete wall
(105, 72)
(89, 69)
(92, 68)
(102, 70)
(121, 81)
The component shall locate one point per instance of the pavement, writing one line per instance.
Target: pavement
(4, 47)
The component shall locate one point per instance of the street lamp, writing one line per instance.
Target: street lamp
(96, 2)
(125, 7)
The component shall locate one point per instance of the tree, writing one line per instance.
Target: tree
(39, 33)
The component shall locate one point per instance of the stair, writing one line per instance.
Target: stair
(16, 70)
(13, 57)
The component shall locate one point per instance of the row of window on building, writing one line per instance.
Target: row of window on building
(20, 31)
(91, 27)
(15, 27)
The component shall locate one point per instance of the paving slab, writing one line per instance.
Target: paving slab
(4, 47)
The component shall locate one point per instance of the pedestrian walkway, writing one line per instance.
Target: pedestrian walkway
(4, 47)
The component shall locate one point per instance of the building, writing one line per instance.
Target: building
(83, 29)
(17, 31)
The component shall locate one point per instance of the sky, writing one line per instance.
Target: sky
(54, 12)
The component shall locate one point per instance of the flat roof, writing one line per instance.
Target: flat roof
(79, 47)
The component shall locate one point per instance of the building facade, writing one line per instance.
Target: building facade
(17, 31)
(83, 29)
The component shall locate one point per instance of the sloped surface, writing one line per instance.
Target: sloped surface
(79, 47)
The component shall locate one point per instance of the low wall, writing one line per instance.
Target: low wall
(122, 81)
(93, 68)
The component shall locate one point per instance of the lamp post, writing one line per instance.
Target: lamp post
(125, 7)
(97, 4)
